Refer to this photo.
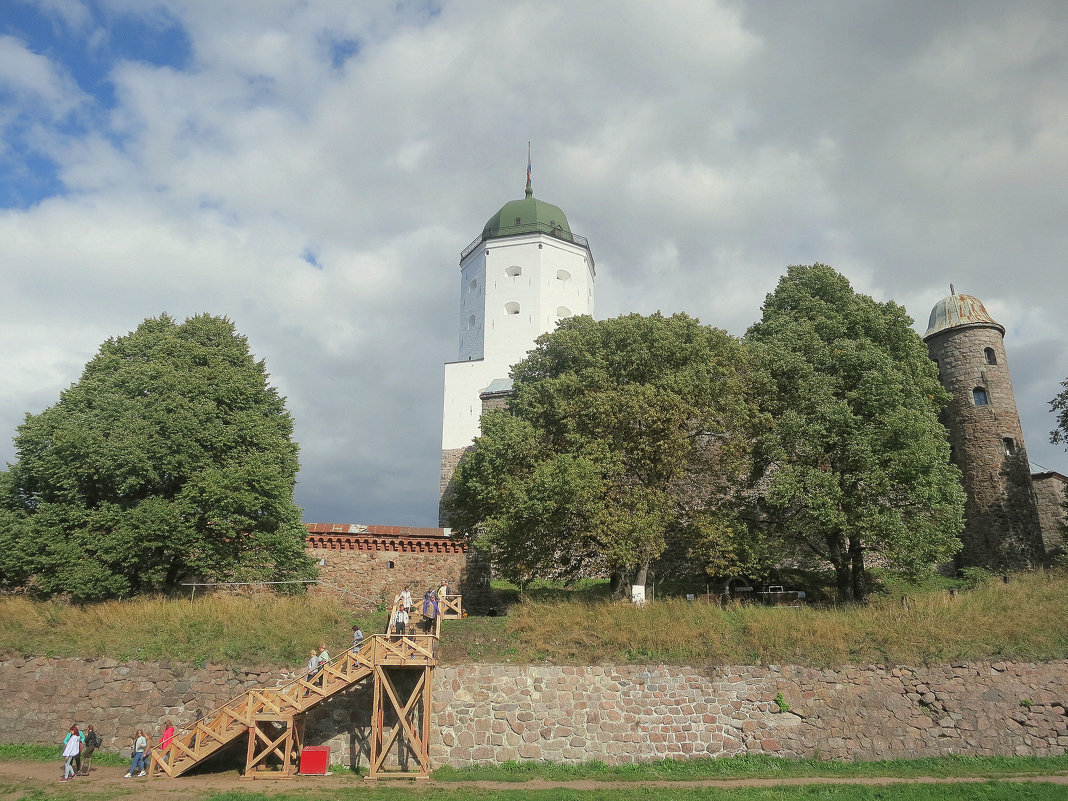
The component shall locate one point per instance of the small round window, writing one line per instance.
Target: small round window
(513, 271)
(511, 307)
(563, 311)
(562, 275)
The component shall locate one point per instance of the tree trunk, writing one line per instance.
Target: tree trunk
(616, 584)
(843, 569)
(642, 574)
(858, 578)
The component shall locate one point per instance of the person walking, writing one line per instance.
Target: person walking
(138, 762)
(313, 667)
(406, 598)
(78, 756)
(357, 639)
(92, 742)
(72, 746)
(165, 740)
(430, 611)
(400, 622)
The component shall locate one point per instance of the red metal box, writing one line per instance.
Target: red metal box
(315, 760)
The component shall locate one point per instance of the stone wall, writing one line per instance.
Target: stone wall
(1001, 517)
(491, 713)
(365, 577)
(1049, 490)
(450, 459)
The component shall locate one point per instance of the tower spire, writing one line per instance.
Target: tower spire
(530, 192)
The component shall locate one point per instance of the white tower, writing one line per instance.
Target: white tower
(524, 273)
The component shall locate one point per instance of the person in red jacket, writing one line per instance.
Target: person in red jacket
(165, 740)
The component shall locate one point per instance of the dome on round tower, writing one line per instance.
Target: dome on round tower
(526, 216)
(959, 311)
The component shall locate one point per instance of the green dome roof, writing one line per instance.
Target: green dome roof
(526, 216)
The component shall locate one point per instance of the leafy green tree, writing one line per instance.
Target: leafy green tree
(170, 459)
(620, 435)
(856, 461)
(1059, 406)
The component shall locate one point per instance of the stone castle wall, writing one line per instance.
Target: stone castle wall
(1001, 518)
(1049, 490)
(449, 460)
(625, 713)
(365, 578)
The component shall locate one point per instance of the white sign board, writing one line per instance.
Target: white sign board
(637, 594)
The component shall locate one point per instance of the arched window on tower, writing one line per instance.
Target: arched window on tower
(1010, 446)
(991, 357)
(979, 397)
(513, 271)
(511, 307)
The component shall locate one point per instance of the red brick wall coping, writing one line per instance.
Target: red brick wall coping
(402, 539)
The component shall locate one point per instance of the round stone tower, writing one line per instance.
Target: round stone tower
(1001, 529)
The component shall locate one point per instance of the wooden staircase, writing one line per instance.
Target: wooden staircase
(273, 717)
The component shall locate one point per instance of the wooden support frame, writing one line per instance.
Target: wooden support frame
(412, 730)
(264, 742)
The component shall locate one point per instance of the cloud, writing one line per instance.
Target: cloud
(314, 170)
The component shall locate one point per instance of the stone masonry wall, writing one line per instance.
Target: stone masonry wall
(450, 459)
(1001, 518)
(492, 713)
(1049, 490)
(364, 576)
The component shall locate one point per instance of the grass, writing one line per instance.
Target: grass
(20, 752)
(994, 620)
(986, 791)
(219, 628)
(759, 767)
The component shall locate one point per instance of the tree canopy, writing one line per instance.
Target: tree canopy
(620, 435)
(856, 461)
(170, 458)
(1059, 406)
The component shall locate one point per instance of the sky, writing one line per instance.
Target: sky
(312, 170)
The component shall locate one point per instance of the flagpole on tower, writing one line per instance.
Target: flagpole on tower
(530, 191)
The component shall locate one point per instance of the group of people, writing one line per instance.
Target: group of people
(432, 605)
(316, 662)
(78, 744)
(142, 748)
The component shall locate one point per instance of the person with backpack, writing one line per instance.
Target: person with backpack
(92, 742)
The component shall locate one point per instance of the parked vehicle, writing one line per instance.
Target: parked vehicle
(777, 594)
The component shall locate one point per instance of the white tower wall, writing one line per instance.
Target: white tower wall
(512, 290)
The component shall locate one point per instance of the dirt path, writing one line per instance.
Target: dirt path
(25, 777)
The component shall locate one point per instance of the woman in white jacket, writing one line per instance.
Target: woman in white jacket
(72, 746)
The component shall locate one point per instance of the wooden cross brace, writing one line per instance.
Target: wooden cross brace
(418, 739)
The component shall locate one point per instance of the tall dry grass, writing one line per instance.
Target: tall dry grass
(1019, 620)
(253, 630)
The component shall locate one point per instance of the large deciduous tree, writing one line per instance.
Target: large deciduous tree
(171, 458)
(620, 434)
(856, 461)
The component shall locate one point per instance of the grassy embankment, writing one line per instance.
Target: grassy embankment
(992, 621)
